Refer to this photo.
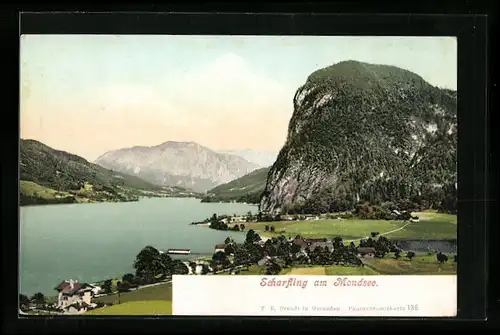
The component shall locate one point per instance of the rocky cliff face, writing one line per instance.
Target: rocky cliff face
(185, 164)
(364, 132)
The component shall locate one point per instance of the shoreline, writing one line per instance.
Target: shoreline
(154, 200)
(106, 201)
(74, 203)
(96, 282)
(228, 202)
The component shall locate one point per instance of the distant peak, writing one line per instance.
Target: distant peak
(362, 74)
(350, 61)
(178, 144)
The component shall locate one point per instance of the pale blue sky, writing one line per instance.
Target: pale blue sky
(91, 93)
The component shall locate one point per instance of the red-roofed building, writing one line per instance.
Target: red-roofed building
(72, 293)
(219, 247)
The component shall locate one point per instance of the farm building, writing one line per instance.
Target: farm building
(238, 219)
(304, 243)
(366, 252)
(220, 247)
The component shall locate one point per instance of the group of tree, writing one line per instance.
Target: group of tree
(382, 245)
(268, 228)
(150, 265)
(323, 202)
(221, 260)
(285, 253)
(289, 252)
(262, 217)
(252, 237)
(218, 223)
(340, 254)
(221, 223)
(440, 257)
(273, 268)
(37, 300)
(377, 207)
(249, 198)
(369, 212)
(127, 282)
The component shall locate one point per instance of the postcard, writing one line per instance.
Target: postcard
(238, 175)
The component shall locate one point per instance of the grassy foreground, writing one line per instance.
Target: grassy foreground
(157, 300)
(32, 189)
(431, 225)
(148, 307)
(420, 265)
(161, 292)
(152, 300)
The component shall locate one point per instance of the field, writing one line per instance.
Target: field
(347, 229)
(349, 271)
(309, 271)
(420, 265)
(149, 307)
(315, 270)
(32, 189)
(157, 292)
(431, 225)
(152, 300)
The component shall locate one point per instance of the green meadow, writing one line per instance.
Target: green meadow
(431, 226)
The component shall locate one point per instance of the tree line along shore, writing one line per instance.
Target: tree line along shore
(350, 224)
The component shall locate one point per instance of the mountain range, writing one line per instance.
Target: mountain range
(185, 164)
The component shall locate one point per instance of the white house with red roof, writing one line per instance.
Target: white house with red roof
(75, 297)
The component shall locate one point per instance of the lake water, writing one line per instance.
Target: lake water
(93, 242)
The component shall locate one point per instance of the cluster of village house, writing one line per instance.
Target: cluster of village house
(243, 219)
(76, 298)
(310, 243)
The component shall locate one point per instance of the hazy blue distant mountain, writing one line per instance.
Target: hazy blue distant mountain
(185, 164)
